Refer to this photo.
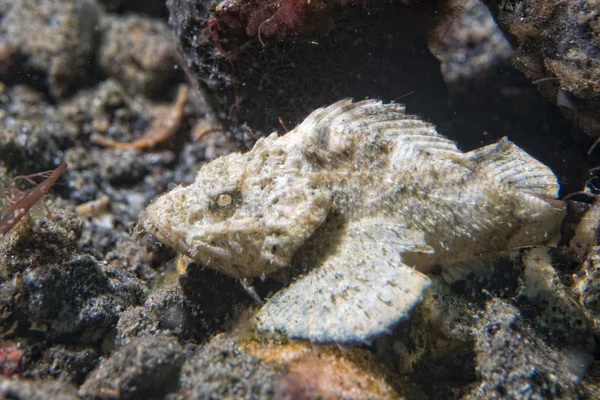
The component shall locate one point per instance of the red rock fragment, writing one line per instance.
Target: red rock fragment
(11, 360)
(324, 372)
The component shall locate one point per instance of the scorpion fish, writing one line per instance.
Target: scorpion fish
(362, 199)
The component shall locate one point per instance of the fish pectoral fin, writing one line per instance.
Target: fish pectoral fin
(507, 163)
(359, 291)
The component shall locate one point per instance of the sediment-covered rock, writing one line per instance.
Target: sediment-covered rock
(557, 46)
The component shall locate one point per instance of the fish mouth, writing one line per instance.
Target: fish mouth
(205, 243)
(165, 234)
(160, 231)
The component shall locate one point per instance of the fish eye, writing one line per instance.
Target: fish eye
(224, 200)
(225, 203)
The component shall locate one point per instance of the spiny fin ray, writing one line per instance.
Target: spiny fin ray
(386, 120)
(509, 164)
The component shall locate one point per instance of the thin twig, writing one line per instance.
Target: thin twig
(162, 128)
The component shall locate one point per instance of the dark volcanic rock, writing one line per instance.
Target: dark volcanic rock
(69, 363)
(75, 299)
(587, 287)
(200, 304)
(165, 312)
(513, 362)
(145, 368)
(220, 370)
(140, 53)
(558, 47)
(48, 40)
(259, 66)
(49, 389)
(150, 7)
(33, 137)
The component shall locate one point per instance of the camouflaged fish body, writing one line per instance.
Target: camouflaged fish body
(358, 194)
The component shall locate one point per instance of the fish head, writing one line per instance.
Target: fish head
(245, 214)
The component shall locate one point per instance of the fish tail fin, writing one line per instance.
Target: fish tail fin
(510, 165)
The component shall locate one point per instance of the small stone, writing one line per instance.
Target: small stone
(139, 53)
(56, 37)
(221, 370)
(514, 362)
(145, 367)
(48, 389)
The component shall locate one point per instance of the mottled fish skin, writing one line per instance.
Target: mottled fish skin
(376, 169)
(363, 159)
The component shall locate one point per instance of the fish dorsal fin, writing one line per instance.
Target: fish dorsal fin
(508, 164)
(359, 291)
(334, 127)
